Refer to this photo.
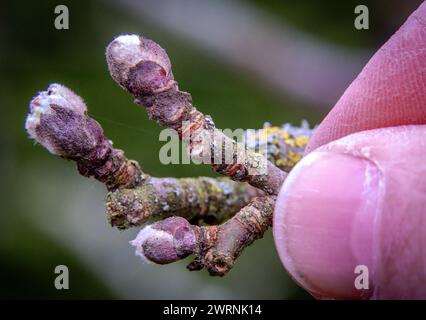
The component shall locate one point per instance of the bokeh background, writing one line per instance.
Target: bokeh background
(244, 62)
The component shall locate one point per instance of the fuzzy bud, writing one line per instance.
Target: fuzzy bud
(41, 105)
(166, 241)
(139, 65)
(57, 120)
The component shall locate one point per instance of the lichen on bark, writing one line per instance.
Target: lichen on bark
(200, 200)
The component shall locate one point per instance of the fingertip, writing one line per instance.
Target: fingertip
(357, 202)
(389, 91)
(323, 225)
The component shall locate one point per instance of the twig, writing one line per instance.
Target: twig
(215, 247)
(143, 68)
(200, 200)
(58, 120)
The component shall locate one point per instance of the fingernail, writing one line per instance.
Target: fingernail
(324, 223)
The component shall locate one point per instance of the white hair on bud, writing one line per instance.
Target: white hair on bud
(148, 233)
(57, 95)
(123, 53)
(129, 39)
(31, 124)
(127, 50)
(63, 94)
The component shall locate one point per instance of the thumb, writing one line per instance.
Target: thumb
(359, 200)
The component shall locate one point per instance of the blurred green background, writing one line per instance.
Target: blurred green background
(50, 215)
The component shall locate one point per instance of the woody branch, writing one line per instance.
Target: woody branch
(58, 120)
(143, 68)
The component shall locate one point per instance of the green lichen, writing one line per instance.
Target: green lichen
(202, 200)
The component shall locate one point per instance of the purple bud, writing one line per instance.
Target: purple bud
(58, 121)
(166, 241)
(138, 64)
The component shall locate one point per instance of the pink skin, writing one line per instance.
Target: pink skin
(359, 196)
